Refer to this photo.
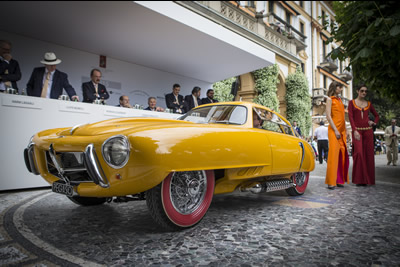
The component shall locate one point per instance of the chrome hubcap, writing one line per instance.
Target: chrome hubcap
(300, 178)
(187, 190)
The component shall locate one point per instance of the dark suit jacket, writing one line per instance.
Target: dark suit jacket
(89, 92)
(206, 100)
(169, 101)
(189, 102)
(14, 72)
(60, 82)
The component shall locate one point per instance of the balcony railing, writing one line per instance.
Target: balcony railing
(290, 40)
(319, 95)
(329, 63)
(346, 76)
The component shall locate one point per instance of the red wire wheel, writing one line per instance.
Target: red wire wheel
(301, 181)
(183, 200)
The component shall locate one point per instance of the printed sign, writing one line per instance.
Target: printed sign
(21, 101)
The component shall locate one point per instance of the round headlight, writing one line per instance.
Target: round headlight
(115, 151)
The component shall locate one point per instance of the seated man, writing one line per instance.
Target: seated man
(210, 97)
(257, 121)
(94, 89)
(152, 101)
(124, 102)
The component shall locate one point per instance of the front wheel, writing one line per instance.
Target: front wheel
(88, 201)
(182, 199)
(301, 181)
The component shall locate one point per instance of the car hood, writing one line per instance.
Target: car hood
(121, 126)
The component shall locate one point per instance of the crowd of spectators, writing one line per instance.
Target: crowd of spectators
(49, 82)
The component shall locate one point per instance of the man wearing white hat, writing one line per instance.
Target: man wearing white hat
(47, 82)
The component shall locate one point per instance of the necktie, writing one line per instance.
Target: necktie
(195, 101)
(96, 87)
(177, 99)
(393, 128)
(45, 85)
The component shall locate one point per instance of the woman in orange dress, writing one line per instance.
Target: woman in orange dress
(337, 171)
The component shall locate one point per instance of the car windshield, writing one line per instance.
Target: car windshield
(226, 114)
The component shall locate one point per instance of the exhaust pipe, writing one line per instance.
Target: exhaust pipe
(255, 189)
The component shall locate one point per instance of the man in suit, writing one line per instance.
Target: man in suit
(47, 82)
(174, 100)
(152, 101)
(193, 100)
(210, 97)
(94, 89)
(392, 134)
(10, 72)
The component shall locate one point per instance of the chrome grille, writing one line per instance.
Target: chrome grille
(73, 165)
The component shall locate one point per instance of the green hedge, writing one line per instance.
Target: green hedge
(266, 80)
(298, 101)
(222, 90)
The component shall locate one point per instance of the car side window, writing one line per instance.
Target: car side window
(272, 122)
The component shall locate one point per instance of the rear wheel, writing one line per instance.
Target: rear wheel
(182, 199)
(88, 201)
(301, 181)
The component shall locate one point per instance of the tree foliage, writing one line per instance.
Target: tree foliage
(222, 90)
(369, 34)
(266, 80)
(298, 100)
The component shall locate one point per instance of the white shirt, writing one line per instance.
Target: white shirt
(195, 101)
(321, 133)
(50, 82)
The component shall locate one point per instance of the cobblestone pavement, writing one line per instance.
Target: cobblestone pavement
(350, 226)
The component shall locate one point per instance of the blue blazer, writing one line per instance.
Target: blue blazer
(60, 82)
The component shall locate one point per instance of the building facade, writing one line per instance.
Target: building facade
(294, 31)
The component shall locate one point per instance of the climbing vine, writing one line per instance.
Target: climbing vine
(266, 81)
(222, 90)
(298, 100)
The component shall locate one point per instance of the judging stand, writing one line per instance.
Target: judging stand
(23, 116)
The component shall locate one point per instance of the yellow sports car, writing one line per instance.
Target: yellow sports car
(175, 165)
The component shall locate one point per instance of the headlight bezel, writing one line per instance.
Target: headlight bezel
(108, 156)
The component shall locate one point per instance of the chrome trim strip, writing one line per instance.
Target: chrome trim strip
(57, 164)
(74, 169)
(94, 168)
(31, 158)
(76, 127)
(302, 156)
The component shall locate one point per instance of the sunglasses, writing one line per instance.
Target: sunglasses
(363, 91)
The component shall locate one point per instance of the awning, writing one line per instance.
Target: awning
(161, 35)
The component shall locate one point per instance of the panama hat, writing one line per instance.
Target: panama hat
(50, 59)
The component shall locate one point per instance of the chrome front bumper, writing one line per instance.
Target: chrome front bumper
(91, 165)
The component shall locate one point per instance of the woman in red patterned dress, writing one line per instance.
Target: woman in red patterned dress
(363, 138)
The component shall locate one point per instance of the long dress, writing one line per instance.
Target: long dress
(363, 151)
(337, 171)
